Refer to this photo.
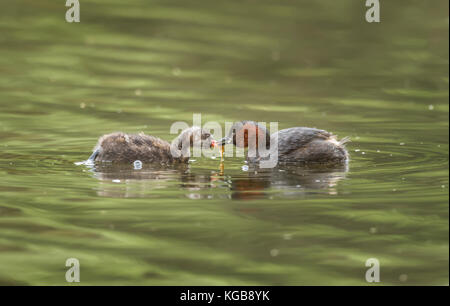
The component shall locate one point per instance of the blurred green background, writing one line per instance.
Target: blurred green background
(141, 65)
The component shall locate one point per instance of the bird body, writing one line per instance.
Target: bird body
(296, 144)
(121, 147)
(309, 145)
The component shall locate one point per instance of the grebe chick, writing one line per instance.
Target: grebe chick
(121, 147)
(296, 144)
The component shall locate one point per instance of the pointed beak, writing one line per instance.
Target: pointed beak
(224, 141)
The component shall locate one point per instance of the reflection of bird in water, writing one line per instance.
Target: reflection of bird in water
(120, 147)
(124, 172)
(289, 181)
(119, 180)
(297, 144)
(250, 188)
(131, 182)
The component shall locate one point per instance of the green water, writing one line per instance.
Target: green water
(141, 65)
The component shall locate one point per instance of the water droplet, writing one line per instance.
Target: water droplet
(287, 236)
(137, 165)
(274, 252)
(176, 71)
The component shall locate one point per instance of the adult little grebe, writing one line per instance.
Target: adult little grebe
(297, 144)
(120, 147)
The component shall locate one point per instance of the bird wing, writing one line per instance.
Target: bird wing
(295, 138)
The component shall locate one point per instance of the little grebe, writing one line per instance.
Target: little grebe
(121, 147)
(297, 144)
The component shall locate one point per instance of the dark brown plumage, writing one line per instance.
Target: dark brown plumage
(297, 144)
(121, 147)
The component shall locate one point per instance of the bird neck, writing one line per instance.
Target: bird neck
(181, 147)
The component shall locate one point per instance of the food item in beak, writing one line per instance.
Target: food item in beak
(222, 150)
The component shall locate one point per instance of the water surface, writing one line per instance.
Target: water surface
(141, 65)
